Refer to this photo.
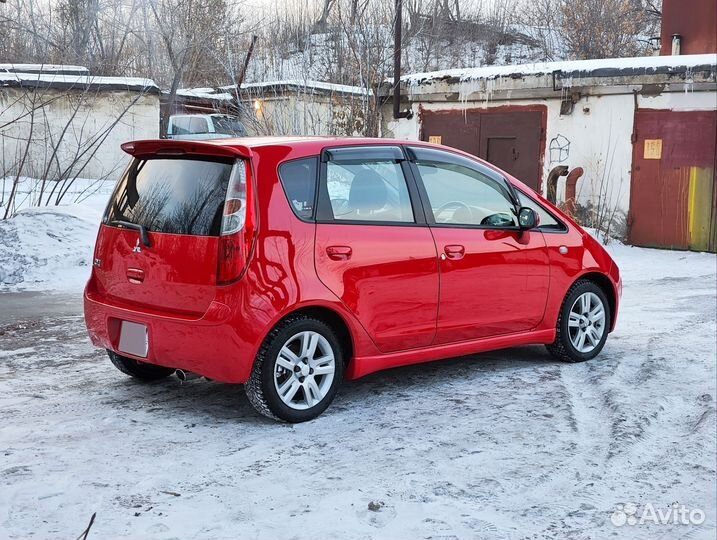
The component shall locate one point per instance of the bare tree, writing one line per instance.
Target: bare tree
(325, 11)
(603, 28)
(50, 156)
(189, 31)
(78, 25)
(543, 19)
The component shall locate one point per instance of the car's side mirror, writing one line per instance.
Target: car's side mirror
(527, 218)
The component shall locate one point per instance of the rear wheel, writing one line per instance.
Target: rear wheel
(139, 370)
(583, 324)
(297, 370)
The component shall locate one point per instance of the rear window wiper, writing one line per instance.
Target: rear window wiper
(143, 235)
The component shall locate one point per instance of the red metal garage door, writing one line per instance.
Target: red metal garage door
(672, 192)
(512, 138)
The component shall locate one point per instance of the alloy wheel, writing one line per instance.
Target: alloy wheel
(304, 370)
(586, 322)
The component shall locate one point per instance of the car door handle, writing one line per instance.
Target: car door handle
(339, 253)
(135, 275)
(454, 251)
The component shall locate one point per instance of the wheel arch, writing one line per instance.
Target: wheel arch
(608, 288)
(329, 316)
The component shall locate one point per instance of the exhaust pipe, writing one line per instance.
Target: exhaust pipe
(185, 376)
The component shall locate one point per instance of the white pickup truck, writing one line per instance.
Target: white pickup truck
(204, 126)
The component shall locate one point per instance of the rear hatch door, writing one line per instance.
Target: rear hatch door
(179, 202)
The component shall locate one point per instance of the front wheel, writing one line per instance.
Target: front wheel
(139, 370)
(583, 324)
(297, 370)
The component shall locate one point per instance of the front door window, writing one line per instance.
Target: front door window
(459, 195)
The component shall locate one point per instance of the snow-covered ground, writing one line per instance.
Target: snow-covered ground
(510, 444)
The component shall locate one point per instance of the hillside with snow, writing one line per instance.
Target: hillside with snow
(321, 56)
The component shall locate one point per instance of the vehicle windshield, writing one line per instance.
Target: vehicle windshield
(228, 125)
(177, 196)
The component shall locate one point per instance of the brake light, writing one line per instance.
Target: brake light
(237, 229)
(235, 201)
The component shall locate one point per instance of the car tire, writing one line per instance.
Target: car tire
(285, 383)
(139, 370)
(583, 299)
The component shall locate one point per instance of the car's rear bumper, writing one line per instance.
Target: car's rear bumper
(208, 346)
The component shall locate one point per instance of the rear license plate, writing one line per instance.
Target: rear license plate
(133, 339)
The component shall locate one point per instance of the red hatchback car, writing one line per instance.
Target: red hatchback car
(287, 264)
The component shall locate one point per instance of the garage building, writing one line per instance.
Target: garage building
(642, 130)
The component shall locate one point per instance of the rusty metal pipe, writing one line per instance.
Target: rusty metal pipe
(552, 189)
(571, 188)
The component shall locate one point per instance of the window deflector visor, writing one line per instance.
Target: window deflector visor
(359, 154)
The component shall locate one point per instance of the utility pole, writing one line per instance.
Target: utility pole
(249, 52)
(397, 28)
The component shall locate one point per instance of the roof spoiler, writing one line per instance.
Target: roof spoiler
(176, 148)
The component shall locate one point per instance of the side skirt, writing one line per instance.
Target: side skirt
(361, 366)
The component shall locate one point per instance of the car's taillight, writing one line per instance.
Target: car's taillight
(237, 225)
(235, 202)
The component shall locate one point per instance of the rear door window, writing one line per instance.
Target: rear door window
(176, 196)
(298, 177)
(368, 191)
(179, 125)
(188, 125)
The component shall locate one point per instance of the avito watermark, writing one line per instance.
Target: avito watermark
(675, 514)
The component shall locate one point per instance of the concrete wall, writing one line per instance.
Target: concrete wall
(94, 123)
(599, 134)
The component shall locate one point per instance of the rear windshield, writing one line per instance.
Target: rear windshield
(177, 196)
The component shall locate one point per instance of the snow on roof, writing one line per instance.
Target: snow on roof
(596, 68)
(44, 68)
(73, 82)
(205, 93)
(227, 93)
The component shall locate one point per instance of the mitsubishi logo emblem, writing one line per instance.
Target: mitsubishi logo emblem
(136, 248)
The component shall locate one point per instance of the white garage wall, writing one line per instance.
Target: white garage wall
(599, 132)
(305, 114)
(89, 120)
(289, 115)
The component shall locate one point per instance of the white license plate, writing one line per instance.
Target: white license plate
(133, 339)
